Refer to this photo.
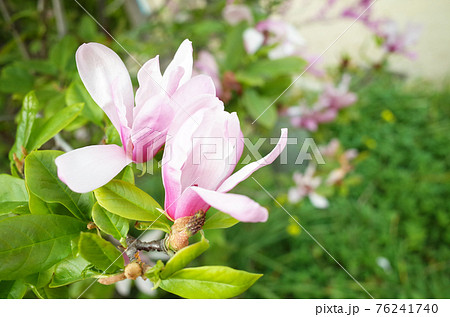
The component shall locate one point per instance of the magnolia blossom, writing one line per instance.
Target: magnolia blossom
(306, 185)
(207, 65)
(284, 36)
(236, 13)
(396, 41)
(326, 108)
(142, 129)
(309, 118)
(337, 97)
(198, 163)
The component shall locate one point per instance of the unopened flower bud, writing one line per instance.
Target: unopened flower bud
(133, 271)
(184, 228)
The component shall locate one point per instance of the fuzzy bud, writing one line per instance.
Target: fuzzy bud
(184, 228)
(133, 271)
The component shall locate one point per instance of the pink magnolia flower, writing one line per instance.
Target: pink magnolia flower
(306, 185)
(198, 163)
(337, 97)
(236, 13)
(397, 41)
(284, 36)
(325, 109)
(309, 118)
(206, 64)
(143, 128)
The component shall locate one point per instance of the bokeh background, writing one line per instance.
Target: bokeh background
(386, 222)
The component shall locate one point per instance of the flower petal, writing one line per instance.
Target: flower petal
(150, 83)
(150, 128)
(253, 40)
(99, 67)
(187, 205)
(237, 206)
(247, 170)
(183, 59)
(318, 201)
(91, 167)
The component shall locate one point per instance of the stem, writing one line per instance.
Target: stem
(58, 10)
(135, 245)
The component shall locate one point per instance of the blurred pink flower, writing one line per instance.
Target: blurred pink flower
(337, 97)
(236, 13)
(143, 128)
(284, 36)
(306, 185)
(396, 41)
(206, 64)
(325, 109)
(198, 163)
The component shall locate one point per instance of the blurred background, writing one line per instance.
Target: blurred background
(376, 102)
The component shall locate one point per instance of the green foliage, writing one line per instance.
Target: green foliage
(184, 257)
(218, 220)
(13, 195)
(102, 254)
(110, 223)
(42, 180)
(27, 246)
(209, 282)
(12, 289)
(71, 270)
(128, 201)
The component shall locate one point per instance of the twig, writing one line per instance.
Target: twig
(58, 10)
(135, 245)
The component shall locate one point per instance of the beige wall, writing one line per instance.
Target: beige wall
(433, 47)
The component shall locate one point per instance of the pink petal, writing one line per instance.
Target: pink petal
(237, 206)
(183, 59)
(150, 82)
(187, 205)
(247, 170)
(150, 128)
(99, 67)
(91, 167)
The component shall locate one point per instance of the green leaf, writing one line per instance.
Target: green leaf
(71, 270)
(39, 207)
(42, 180)
(101, 253)
(234, 47)
(110, 223)
(128, 201)
(26, 119)
(15, 78)
(77, 93)
(33, 243)
(40, 279)
(260, 108)
(127, 174)
(62, 54)
(13, 194)
(12, 289)
(54, 125)
(209, 282)
(219, 220)
(184, 257)
(268, 68)
(154, 225)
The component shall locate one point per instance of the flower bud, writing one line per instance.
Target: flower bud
(133, 271)
(184, 228)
